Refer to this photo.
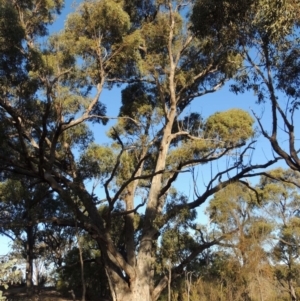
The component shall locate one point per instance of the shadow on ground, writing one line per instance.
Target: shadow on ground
(37, 294)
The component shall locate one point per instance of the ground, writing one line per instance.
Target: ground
(38, 294)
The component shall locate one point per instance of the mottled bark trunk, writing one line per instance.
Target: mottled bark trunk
(137, 290)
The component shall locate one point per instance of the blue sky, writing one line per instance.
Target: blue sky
(207, 105)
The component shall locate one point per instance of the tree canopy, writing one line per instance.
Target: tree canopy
(122, 199)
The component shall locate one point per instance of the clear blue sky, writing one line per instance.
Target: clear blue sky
(207, 105)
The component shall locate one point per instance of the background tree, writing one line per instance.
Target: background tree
(281, 203)
(27, 216)
(69, 274)
(235, 208)
(21, 211)
(259, 260)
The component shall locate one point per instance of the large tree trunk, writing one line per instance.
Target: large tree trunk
(137, 290)
(141, 287)
(138, 287)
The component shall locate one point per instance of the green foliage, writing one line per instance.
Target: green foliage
(137, 9)
(176, 244)
(2, 298)
(97, 161)
(234, 210)
(281, 200)
(139, 104)
(219, 18)
(99, 30)
(11, 37)
(189, 150)
(9, 273)
(69, 276)
(226, 20)
(137, 100)
(219, 131)
(230, 127)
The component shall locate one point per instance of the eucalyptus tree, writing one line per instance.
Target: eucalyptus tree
(280, 201)
(266, 35)
(18, 220)
(27, 214)
(49, 105)
(236, 209)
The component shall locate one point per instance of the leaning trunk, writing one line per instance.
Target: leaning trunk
(292, 291)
